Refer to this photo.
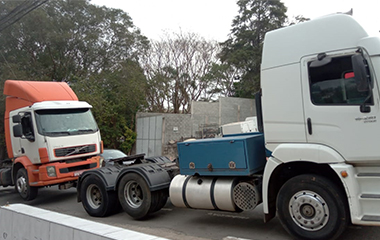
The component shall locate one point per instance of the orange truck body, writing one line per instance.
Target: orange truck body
(69, 155)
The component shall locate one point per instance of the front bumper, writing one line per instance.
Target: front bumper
(65, 171)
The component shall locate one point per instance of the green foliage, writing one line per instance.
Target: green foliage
(243, 48)
(116, 96)
(95, 49)
(297, 19)
(128, 140)
(63, 39)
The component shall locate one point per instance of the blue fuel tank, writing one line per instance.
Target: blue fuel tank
(240, 155)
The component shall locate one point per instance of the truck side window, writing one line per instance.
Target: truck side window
(334, 84)
(27, 126)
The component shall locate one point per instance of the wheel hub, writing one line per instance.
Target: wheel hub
(21, 185)
(94, 196)
(309, 210)
(133, 194)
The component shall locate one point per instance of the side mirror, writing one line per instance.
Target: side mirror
(359, 66)
(17, 130)
(362, 78)
(16, 119)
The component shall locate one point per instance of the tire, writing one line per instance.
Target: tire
(22, 185)
(135, 196)
(160, 200)
(312, 207)
(95, 199)
(163, 199)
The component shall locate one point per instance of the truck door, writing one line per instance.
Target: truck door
(28, 143)
(340, 111)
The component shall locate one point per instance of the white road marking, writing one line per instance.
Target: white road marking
(234, 238)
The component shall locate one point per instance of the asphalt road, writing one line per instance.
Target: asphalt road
(179, 223)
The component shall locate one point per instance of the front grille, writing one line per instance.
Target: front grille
(72, 151)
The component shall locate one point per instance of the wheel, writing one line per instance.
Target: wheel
(134, 195)
(95, 199)
(160, 198)
(163, 198)
(22, 185)
(312, 207)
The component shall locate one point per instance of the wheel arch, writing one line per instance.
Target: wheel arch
(156, 177)
(20, 162)
(285, 171)
(316, 153)
(15, 168)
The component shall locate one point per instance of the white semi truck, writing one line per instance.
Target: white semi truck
(315, 164)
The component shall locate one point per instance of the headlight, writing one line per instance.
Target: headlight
(51, 171)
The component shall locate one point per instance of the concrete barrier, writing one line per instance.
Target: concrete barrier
(20, 221)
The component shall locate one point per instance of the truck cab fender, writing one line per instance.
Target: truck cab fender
(106, 175)
(156, 177)
(285, 154)
(307, 152)
(23, 162)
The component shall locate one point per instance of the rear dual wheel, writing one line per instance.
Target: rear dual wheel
(136, 198)
(159, 200)
(96, 200)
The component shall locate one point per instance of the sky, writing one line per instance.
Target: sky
(212, 19)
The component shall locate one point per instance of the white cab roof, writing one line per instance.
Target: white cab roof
(60, 105)
(330, 33)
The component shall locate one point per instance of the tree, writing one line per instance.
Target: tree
(296, 19)
(242, 50)
(224, 78)
(116, 97)
(95, 49)
(62, 39)
(177, 69)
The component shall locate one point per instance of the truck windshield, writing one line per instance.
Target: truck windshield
(63, 122)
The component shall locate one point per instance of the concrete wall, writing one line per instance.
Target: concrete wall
(205, 119)
(205, 112)
(235, 109)
(19, 221)
(175, 127)
(149, 135)
(203, 122)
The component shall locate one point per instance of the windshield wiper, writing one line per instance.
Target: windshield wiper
(86, 130)
(59, 133)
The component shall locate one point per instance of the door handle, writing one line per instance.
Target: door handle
(309, 127)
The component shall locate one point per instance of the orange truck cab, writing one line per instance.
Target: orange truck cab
(51, 137)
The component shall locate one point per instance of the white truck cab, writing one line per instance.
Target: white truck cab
(320, 106)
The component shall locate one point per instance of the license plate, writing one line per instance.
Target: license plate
(78, 173)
